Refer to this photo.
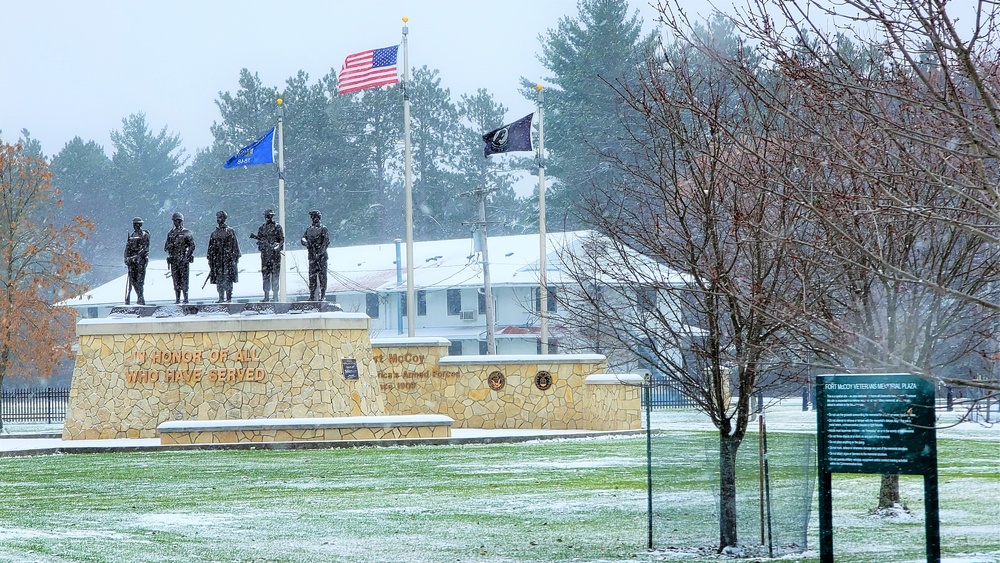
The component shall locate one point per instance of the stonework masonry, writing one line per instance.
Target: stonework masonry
(343, 428)
(315, 435)
(132, 374)
(418, 378)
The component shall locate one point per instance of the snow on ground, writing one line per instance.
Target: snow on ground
(780, 416)
(34, 533)
(787, 416)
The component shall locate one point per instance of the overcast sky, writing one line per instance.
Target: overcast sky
(78, 67)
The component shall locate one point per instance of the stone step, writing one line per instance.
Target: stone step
(342, 428)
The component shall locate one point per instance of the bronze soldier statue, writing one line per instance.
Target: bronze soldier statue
(316, 239)
(223, 258)
(270, 239)
(180, 253)
(136, 259)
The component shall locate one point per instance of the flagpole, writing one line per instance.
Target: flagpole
(543, 290)
(411, 303)
(282, 289)
(491, 338)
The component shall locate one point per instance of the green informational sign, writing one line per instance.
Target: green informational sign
(876, 424)
(880, 423)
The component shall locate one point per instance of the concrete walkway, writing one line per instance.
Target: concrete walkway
(783, 416)
(46, 443)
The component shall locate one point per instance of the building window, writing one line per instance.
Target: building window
(550, 299)
(91, 312)
(371, 305)
(483, 349)
(421, 303)
(647, 300)
(482, 303)
(454, 301)
(455, 349)
(553, 346)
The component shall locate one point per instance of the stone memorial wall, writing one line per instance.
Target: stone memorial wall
(132, 374)
(554, 391)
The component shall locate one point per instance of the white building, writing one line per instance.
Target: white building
(448, 282)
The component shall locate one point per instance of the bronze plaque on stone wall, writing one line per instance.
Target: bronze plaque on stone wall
(350, 366)
(496, 381)
(543, 380)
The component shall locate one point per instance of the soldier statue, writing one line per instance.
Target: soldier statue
(316, 239)
(223, 258)
(270, 239)
(180, 253)
(136, 259)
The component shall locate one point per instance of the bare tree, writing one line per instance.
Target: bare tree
(899, 160)
(896, 161)
(900, 117)
(702, 202)
(821, 207)
(874, 319)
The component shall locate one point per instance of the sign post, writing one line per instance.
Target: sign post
(876, 423)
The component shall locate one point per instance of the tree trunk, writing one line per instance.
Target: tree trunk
(888, 492)
(728, 446)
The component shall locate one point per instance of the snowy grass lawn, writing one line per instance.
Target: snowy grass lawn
(565, 500)
(547, 501)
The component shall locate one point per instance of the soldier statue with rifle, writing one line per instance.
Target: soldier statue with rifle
(136, 259)
(270, 239)
(180, 253)
(316, 240)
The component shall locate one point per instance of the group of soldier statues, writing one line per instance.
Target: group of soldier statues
(223, 257)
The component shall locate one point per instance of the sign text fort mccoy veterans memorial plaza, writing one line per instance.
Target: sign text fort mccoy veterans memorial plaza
(876, 423)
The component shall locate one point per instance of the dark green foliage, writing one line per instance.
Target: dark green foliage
(588, 55)
(505, 212)
(85, 176)
(31, 145)
(147, 168)
(377, 135)
(144, 177)
(244, 192)
(325, 166)
(438, 206)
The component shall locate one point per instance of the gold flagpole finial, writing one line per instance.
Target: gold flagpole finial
(405, 19)
(279, 101)
(538, 87)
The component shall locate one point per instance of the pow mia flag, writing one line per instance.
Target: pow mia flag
(509, 138)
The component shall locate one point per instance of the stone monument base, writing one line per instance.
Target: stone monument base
(134, 373)
(225, 373)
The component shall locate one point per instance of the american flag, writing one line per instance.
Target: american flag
(368, 69)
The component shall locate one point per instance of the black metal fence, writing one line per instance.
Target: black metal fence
(775, 499)
(43, 405)
(662, 395)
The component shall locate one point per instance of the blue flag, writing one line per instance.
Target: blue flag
(260, 151)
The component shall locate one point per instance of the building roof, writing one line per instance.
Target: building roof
(438, 264)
